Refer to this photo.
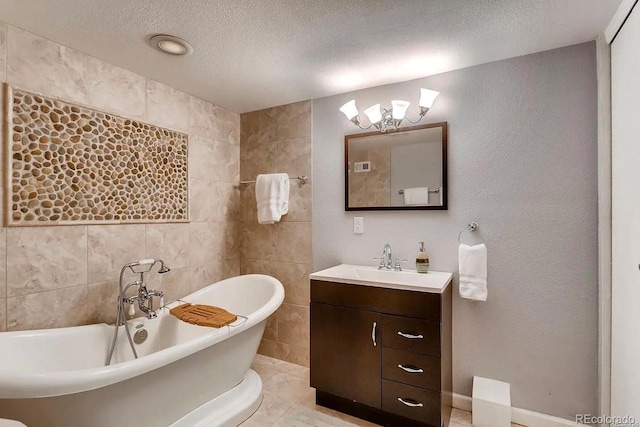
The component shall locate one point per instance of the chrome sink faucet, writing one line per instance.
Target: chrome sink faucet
(386, 262)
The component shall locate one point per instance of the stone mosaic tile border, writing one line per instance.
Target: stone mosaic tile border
(70, 164)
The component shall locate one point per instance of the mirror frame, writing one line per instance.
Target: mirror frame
(445, 187)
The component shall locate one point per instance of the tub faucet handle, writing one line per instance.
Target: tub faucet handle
(132, 310)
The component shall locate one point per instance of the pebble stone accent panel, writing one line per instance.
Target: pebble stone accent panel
(68, 164)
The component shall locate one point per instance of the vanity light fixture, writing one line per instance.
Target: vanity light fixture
(383, 119)
(170, 44)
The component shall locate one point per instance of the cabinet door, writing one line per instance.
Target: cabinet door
(345, 353)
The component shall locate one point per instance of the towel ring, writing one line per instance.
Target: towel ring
(472, 226)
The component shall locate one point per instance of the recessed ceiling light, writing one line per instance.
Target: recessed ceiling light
(170, 44)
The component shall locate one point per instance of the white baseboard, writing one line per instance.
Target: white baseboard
(519, 416)
(461, 401)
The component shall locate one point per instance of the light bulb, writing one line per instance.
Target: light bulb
(427, 97)
(172, 47)
(399, 108)
(374, 114)
(350, 110)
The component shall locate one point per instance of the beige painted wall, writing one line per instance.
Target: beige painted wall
(279, 140)
(67, 275)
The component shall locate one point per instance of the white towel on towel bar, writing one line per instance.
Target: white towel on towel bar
(473, 271)
(416, 196)
(272, 197)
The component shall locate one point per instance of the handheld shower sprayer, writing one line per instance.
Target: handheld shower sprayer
(150, 262)
(163, 268)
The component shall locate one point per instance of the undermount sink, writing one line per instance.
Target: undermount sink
(434, 281)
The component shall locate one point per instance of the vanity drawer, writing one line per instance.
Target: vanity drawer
(419, 404)
(411, 368)
(421, 305)
(403, 333)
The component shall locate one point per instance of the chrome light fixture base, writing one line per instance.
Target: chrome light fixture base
(388, 122)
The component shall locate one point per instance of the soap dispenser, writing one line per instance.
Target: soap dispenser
(422, 260)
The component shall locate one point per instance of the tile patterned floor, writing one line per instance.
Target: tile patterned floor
(288, 401)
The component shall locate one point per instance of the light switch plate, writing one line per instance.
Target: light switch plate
(358, 225)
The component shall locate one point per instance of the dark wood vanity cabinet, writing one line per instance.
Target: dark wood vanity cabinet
(356, 376)
(382, 354)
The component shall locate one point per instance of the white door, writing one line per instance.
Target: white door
(625, 109)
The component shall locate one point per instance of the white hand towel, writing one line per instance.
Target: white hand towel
(272, 197)
(473, 271)
(416, 196)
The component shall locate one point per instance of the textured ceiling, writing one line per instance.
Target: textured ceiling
(252, 54)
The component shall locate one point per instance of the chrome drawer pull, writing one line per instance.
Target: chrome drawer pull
(410, 402)
(373, 334)
(409, 336)
(411, 369)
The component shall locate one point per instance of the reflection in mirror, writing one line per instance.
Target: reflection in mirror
(397, 170)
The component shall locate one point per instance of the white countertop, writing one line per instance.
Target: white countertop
(409, 280)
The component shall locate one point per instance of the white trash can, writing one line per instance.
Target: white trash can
(491, 403)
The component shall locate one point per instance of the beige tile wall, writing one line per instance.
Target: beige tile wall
(67, 275)
(371, 188)
(279, 140)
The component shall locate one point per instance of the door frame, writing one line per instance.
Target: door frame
(619, 19)
(603, 59)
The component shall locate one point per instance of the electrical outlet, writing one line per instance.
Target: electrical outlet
(358, 225)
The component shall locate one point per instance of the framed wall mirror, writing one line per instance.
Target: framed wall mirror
(400, 170)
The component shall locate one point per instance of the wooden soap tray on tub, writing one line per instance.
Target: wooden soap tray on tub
(204, 315)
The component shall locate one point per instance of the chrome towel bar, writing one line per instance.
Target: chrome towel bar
(437, 190)
(303, 179)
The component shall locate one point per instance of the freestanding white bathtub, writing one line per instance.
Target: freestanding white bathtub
(185, 375)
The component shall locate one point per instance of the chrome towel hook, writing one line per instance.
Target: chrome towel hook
(472, 226)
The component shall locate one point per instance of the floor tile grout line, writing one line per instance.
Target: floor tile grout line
(283, 414)
(277, 364)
